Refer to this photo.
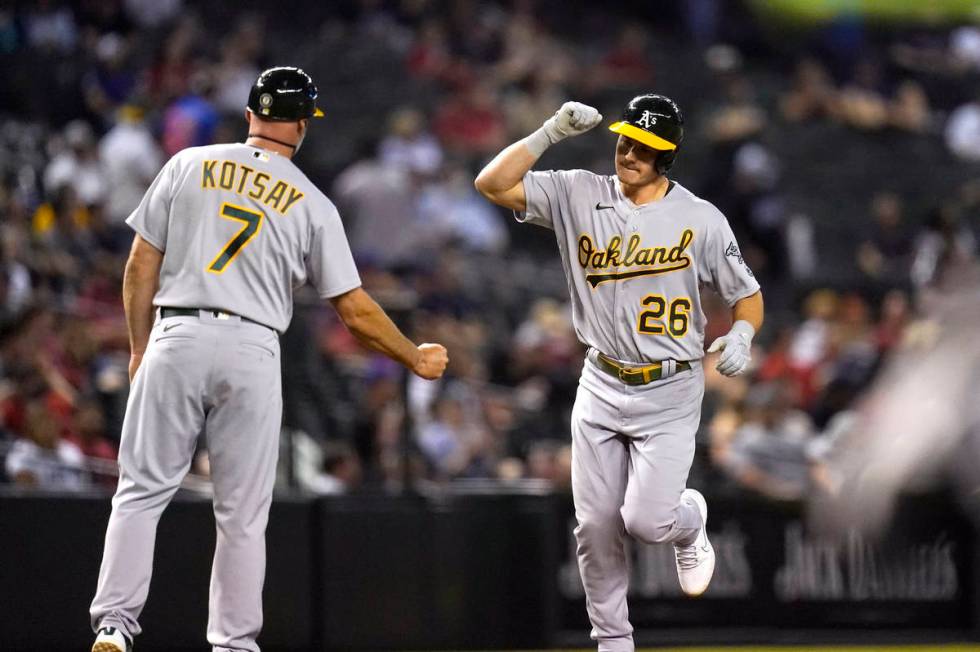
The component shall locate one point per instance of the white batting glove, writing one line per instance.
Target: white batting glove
(735, 349)
(572, 119)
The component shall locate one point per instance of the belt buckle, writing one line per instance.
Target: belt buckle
(622, 374)
(220, 314)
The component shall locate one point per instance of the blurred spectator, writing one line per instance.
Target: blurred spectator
(15, 278)
(861, 103)
(192, 119)
(236, 71)
(76, 164)
(131, 159)
(964, 47)
(110, 81)
(909, 109)
(50, 27)
(88, 434)
(551, 461)
(812, 342)
(42, 459)
(895, 317)
(812, 95)
(429, 56)
(152, 13)
(627, 65)
(470, 123)
(377, 200)
(169, 75)
(409, 145)
(853, 359)
(757, 206)
(455, 441)
(341, 470)
(526, 45)
(885, 253)
(963, 132)
(530, 103)
(450, 210)
(768, 452)
(943, 248)
(739, 116)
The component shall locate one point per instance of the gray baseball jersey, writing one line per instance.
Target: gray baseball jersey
(241, 227)
(634, 275)
(634, 272)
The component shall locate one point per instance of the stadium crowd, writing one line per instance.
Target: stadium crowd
(99, 93)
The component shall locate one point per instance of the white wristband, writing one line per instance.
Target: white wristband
(538, 142)
(742, 327)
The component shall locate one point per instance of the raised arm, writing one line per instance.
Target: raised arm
(140, 281)
(501, 181)
(375, 330)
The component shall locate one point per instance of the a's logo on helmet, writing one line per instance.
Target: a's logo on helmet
(265, 100)
(647, 120)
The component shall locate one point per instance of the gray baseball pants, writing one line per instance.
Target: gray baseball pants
(214, 375)
(632, 448)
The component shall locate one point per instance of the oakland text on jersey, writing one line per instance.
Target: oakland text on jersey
(236, 177)
(652, 260)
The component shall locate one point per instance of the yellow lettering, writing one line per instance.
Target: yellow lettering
(227, 177)
(241, 183)
(276, 195)
(207, 174)
(259, 185)
(677, 252)
(630, 259)
(585, 249)
(294, 196)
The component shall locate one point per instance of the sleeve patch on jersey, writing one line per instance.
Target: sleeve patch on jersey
(733, 252)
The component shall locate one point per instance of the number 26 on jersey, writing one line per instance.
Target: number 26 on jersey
(664, 318)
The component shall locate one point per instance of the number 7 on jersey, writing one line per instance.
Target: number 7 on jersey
(253, 223)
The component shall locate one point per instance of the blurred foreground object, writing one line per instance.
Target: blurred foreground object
(919, 425)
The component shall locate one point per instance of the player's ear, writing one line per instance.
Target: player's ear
(303, 124)
(248, 117)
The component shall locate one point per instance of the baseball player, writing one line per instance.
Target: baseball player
(223, 235)
(636, 248)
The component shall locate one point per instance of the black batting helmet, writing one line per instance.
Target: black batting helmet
(284, 94)
(657, 122)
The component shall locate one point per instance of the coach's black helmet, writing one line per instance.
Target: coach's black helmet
(657, 122)
(284, 94)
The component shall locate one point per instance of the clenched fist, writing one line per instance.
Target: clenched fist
(572, 119)
(432, 361)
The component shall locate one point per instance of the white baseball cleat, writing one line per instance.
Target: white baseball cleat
(110, 639)
(696, 561)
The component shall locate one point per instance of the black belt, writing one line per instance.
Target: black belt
(166, 312)
(635, 375)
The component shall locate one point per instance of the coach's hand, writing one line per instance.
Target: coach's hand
(735, 349)
(432, 361)
(572, 119)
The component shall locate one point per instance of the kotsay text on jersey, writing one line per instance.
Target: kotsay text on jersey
(229, 175)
